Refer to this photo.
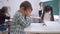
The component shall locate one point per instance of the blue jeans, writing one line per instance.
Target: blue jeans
(40, 12)
(3, 28)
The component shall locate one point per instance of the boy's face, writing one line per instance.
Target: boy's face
(28, 12)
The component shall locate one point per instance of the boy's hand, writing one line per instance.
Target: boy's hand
(28, 12)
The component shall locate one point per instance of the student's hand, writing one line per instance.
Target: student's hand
(28, 12)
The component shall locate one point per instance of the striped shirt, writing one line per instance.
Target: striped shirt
(20, 21)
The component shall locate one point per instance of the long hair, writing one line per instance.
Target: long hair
(4, 10)
(0, 10)
(47, 9)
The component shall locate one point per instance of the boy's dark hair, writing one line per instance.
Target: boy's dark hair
(26, 5)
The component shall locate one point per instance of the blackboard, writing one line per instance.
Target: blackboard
(55, 6)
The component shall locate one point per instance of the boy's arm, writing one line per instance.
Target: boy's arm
(18, 19)
(25, 23)
(6, 17)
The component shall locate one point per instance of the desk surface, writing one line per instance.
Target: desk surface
(37, 17)
(50, 27)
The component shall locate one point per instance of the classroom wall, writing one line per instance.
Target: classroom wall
(13, 5)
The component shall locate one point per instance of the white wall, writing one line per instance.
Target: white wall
(14, 5)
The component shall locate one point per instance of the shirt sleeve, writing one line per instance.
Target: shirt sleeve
(19, 19)
(25, 22)
(6, 17)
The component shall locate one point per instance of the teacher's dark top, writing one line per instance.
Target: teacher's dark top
(2, 18)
